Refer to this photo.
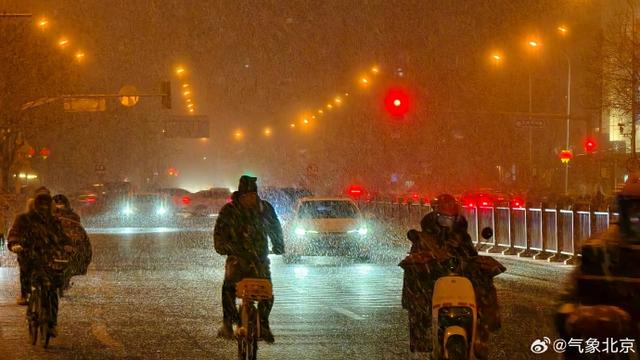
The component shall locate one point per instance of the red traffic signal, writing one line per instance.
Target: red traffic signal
(590, 145)
(396, 102)
(44, 152)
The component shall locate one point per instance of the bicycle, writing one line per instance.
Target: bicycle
(250, 291)
(39, 306)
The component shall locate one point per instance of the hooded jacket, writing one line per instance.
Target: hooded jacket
(245, 233)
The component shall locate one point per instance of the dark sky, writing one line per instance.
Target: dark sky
(258, 63)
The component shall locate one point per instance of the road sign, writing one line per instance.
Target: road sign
(129, 100)
(187, 127)
(529, 123)
(79, 104)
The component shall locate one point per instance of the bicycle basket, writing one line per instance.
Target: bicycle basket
(59, 264)
(254, 289)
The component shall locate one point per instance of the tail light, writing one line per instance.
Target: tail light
(91, 199)
(186, 200)
(229, 200)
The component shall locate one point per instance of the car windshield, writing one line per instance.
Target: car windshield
(327, 209)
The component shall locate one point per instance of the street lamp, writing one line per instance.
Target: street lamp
(563, 31)
(337, 100)
(43, 23)
(79, 55)
(267, 132)
(238, 135)
(532, 44)
(180, 70)
(63, 42)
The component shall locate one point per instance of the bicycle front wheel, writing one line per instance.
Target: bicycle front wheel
(33, 313)
(45, 316)
(248, 342)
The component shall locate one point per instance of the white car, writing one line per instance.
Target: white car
(327, 226)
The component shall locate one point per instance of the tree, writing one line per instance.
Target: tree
(621, 66)
(30, 68)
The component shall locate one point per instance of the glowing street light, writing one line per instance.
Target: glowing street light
(329, 106)
(346, 94)
(533, 43)
(186, 93)
(188, 100)
(375, 69)
(184, 86)
(267, 132)
(180, 70)
(43, 23)
(305, 121)
(563, 29)
(337, 100)
(320, 111)
(63, 42)
(190, 105)
(238, 135)
(79, 55)
(364, 81)
(292, 125)
(192, 110)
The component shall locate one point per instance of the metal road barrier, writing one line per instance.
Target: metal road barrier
(550, 234)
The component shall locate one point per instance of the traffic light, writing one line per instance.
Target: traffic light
(166, 94)
(396, 102)
(590, 145)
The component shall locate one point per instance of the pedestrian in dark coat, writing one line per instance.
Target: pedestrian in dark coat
(75, 231)
(242, 233)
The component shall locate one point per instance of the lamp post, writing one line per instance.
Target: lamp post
(533, 44)
(566, 168)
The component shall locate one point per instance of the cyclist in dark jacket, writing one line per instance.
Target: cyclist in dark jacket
(39, 239)
(242, 232)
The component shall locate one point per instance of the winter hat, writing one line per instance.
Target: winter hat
(247, 184)
(41, 191)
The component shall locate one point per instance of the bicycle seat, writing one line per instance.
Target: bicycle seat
(254, 289)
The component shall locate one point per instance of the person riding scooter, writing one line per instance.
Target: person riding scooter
(444, 236)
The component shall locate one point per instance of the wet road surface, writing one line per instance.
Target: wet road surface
(155, 294)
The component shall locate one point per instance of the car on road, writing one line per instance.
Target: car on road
(284, 199)
(146, 209)
(327, 226)
(202, 204)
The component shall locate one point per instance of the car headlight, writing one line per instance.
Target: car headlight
(127, 210)
(300, 231)
(362, 231)
(161, 210)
